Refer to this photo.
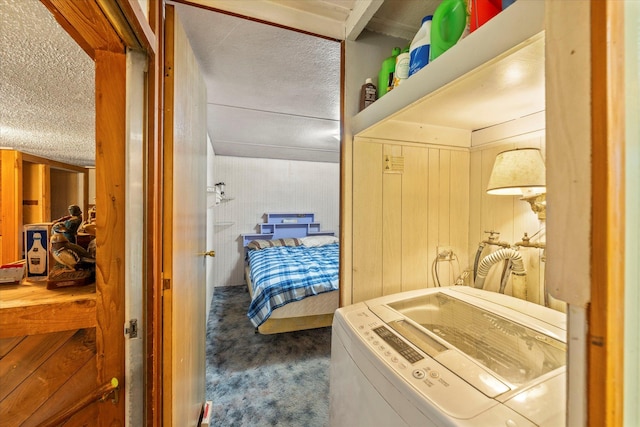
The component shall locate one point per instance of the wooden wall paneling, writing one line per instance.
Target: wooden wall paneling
(11, 205)
(19, 405)
(367, 220)
(85, 417)
(86, 182)
(444, 215)
(111, 154)
(8, 344)
(476, 234)
(497, 215)
(75, 387)
(66, 190)
(460, 214)
(46, 199)
(525, 220)
(433, 215)
(392, 220)
(415, 225)
(25, 357)
(35, 192)
(532, 263)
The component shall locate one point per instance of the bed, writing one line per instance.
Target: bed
(293, 281)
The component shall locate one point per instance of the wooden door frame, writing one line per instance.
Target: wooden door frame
(605, 376)
(104, 29)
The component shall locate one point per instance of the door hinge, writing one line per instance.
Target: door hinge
(132, 330)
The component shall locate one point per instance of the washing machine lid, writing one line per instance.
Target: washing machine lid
(491, 351)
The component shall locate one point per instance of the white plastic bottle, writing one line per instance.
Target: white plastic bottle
(402, 67)
(420, 46)
(37, 256)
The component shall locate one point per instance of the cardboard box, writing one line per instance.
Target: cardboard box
(37, 244)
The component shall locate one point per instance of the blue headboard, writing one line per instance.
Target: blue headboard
(283, 225)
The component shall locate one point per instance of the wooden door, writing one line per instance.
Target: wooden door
(184, 230)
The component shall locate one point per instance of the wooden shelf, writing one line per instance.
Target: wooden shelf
(494, 75)
(30, 308)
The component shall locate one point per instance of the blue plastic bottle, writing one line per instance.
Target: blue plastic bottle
(421, 46)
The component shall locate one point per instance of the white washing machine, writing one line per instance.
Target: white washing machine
(454, 356)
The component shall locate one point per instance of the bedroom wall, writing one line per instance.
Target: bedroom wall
(258, 186)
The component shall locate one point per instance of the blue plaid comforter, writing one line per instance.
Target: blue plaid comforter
(284, 274)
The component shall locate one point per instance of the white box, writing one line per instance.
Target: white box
(37, 247)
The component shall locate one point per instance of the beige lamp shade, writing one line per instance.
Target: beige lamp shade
(518, 172)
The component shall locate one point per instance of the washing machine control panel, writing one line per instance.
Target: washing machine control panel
(420, 372)
(398, 344)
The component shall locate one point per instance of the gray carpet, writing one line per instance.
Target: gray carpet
(264, 380)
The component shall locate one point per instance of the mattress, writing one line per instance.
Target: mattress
(324, 303)
(285, 273)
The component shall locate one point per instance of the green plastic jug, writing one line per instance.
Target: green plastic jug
(448, 26)
(385, 76)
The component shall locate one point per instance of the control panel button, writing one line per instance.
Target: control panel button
(418, 374)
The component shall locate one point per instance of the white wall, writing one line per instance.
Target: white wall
(259, 186)
(211, 210)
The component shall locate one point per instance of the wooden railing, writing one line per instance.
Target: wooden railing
(101, 394)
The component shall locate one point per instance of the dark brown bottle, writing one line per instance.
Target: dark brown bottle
(368, 94)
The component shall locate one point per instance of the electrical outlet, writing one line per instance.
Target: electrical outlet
(445, 253)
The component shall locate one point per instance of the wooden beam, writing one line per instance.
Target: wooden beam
(359, 17)
(11, 204)
(154, 220)
(52, 163)
(111, 154)
(86, 24)
(167, 197)
(30, 309)
(605, 382)
(130, 23)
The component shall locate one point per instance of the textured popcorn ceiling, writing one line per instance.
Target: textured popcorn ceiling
(271, 92)
(47, 105)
